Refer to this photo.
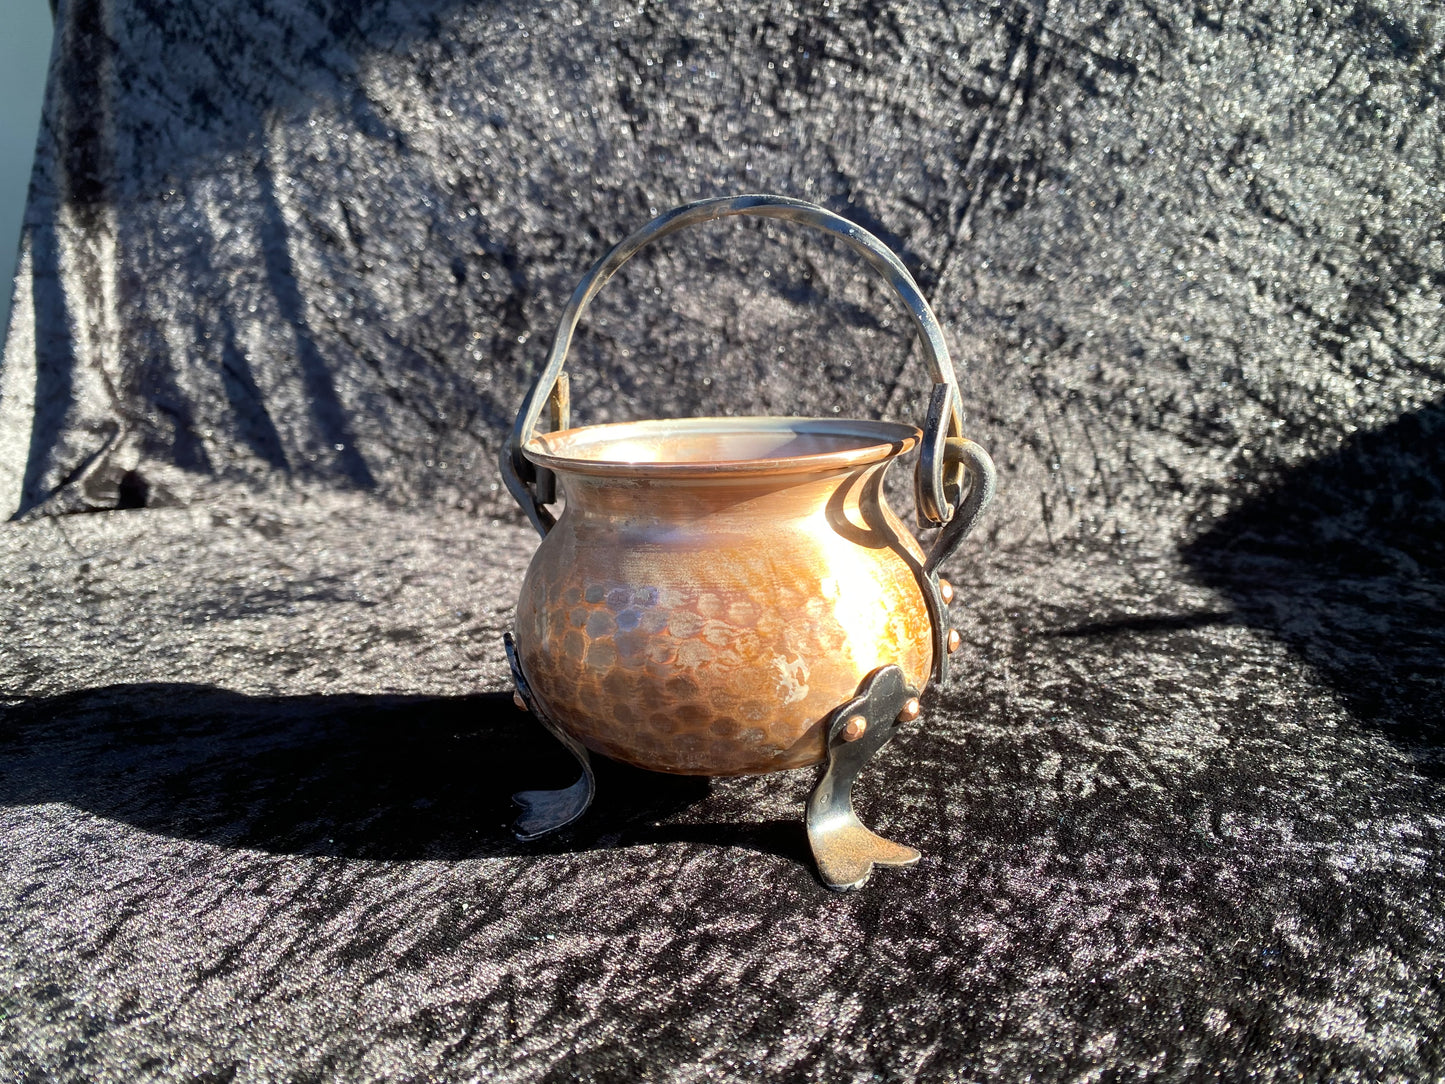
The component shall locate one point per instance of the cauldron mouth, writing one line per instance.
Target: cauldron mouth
(709, 447)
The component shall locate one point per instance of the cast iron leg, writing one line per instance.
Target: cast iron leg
(546, 811)
(845, 851)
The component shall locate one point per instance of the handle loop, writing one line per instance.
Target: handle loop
(939, 480)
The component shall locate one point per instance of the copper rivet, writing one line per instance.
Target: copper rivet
(945, 589)
(954, 640)
(854, 728)
(517, 699)
(911, 710)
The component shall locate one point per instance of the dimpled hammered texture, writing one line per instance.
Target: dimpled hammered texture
(710, 627)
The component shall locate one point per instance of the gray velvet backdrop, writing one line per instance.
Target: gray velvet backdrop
(287, 268)
(330, 241)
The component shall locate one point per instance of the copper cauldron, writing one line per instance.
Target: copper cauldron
(731, 596)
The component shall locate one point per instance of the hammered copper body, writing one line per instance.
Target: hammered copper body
(716, 587)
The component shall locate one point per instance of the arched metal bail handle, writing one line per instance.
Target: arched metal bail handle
(944, 419)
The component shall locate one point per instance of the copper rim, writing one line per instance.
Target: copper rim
(577, 450)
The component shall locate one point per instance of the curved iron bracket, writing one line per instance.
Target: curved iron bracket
(972, 462)
(844, 849)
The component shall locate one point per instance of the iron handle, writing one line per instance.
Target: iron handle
(939, 477)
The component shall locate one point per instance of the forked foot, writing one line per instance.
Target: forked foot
(545, 811)
(844, 849)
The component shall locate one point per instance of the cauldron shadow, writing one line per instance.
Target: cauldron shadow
(391, 778)
(1343, 559)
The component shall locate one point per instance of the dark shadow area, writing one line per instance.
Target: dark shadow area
(1344, 560)
(378, 777)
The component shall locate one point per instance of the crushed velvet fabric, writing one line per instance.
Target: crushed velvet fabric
(255, 808)
(287, 267)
